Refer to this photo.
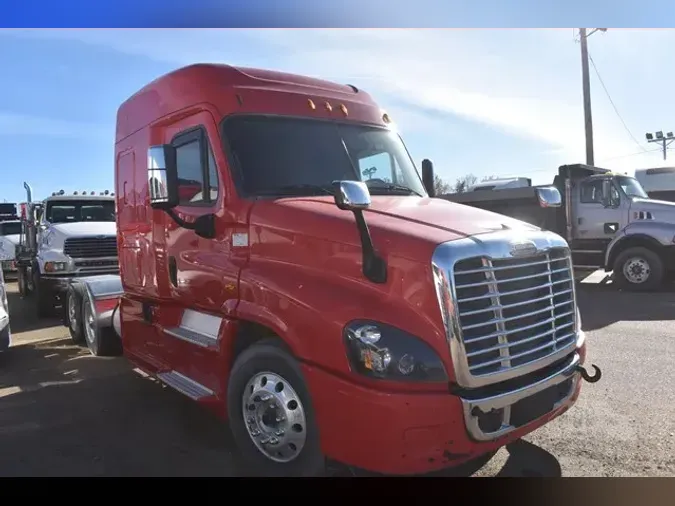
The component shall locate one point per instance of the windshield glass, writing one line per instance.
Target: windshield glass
(288, 156)
(73, 211)
(11, 228)
(631, 187)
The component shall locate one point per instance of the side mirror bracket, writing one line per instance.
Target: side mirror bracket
(354, 196)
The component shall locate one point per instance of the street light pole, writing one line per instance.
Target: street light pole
(588, 119)
(664, 140)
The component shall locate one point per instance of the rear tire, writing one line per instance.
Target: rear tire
(638, 269)
(73, 313)
(268, 402)
(102, 342)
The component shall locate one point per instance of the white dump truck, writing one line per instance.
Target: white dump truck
(63, 237)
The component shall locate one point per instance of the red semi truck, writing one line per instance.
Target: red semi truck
(312, 293)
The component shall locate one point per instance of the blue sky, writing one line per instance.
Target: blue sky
(482, 101)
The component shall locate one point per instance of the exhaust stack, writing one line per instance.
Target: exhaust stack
(29, 192)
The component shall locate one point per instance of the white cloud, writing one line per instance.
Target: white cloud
(525, 84)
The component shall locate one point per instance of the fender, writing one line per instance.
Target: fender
(309, 312)
(657, 233)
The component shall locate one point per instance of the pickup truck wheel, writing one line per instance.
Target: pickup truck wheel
(73, 314)
(271, 414)
(102, 342)
(638, 269)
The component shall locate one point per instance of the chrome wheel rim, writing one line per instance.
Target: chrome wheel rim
(89, 324)
(636, 270)
(72, 313)
(274, 417)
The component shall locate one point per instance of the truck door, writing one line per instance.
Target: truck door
(196, 273)
(595, 223)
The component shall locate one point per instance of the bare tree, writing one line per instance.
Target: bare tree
(463, 183)
(441, 187)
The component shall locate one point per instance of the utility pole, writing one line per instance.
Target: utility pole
(588, 120)
(664, 140)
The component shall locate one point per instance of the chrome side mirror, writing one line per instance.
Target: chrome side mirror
(549, 196)
(351, 195)
(162, 177)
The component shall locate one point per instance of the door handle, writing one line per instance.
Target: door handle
(173, 271)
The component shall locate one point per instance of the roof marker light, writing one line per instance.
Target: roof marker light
(344, 110)
(310, 102)
(329, 107)
(386, 118)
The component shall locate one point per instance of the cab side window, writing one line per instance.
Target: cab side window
(197, 174)
(591, 192)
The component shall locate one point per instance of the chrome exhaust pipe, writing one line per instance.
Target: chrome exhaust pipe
(29, 192)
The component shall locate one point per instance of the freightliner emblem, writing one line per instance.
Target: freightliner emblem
(523, 248)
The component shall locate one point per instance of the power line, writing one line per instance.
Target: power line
(597, 73)
(644, 152)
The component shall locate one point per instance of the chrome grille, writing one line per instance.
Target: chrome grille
(91, 247)
(514, 311)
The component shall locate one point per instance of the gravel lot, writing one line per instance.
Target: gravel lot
(64, 413)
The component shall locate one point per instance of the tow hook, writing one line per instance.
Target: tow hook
(588, 377)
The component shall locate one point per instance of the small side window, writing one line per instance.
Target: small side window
(197, 174)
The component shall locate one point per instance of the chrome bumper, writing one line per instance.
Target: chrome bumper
(503, 403)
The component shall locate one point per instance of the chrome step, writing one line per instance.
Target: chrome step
(185, 385)
(203, 340)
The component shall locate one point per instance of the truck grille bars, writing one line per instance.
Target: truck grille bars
(512, 313)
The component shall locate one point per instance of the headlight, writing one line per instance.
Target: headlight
(380, 351)
(56, 266)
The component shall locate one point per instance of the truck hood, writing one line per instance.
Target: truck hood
(398, 219)
(85, 228)
(662, 210)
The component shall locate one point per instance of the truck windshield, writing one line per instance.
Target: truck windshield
(75, 210)
(13, 228)
(631, 187)
(289, 156)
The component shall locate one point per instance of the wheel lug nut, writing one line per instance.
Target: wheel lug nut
(266, 398)
(280, 432)
(255, 433)
(274, 440)
(280, 419)
(264, 441)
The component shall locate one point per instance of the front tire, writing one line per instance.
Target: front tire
(271, 414)
(44, 298)
(638, 269)
(102, 342)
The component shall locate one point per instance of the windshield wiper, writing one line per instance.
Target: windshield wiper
(293, 189)
(392, 187)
